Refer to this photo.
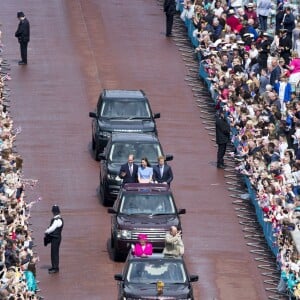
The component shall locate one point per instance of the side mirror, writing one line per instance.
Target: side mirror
(194, 278)
(111, 210)
(156, 116)
(169, 157)
(101, 156)
(119, 277)
(92, 115)
(181, 211)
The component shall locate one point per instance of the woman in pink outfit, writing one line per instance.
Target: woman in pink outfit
(294, 68)
(142, 248)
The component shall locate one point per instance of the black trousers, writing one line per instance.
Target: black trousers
(221, 153)
(55, 243)
(23, 49)
(169, 24)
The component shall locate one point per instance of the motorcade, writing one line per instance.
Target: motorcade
(119, 146)
(155, 277)
(120, 111)
(142, 208)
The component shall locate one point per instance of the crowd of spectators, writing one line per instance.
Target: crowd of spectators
(17, 258)
(253, 74)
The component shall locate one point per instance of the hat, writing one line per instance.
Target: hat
(218, 42)
(55, 209)
(143, 237)
(251, 35)
(231, 12)
(20, 14)
(283, 30)
(250, 5)
(240, 42)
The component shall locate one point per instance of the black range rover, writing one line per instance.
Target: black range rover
(155, 277)
(142, 208)
(119, 146)
(120, 111)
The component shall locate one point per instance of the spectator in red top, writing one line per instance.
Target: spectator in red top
(142, 248)
(251, 13)
(233, 21)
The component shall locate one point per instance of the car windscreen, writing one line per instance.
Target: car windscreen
(120, 151)
(136, 203)
(125, 108)
(147, 271)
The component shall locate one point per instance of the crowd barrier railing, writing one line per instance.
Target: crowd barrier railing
(266, 226)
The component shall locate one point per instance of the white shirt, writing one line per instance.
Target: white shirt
(56, 224)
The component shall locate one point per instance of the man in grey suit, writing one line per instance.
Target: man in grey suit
(162, 173)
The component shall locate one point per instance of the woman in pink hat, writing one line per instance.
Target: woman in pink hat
(142, 248)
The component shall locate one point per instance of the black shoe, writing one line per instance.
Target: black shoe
(168, 35)
(220, 166)
(52, 271)
(21, 63)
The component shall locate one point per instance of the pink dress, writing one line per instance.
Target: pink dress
(140, 250)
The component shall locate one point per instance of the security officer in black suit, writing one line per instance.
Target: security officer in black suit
(264, 50)
(285, 45)
(170, 11)
(54, 234)
(222, 137)
(23, 35)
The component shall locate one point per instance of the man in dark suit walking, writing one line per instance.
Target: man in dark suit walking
(170, 10)
(53, 233)
(162, 173)
(222, 137)
(129, 171)
(23, 35)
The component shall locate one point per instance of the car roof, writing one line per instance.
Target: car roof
(146, 187)
(124, 94)
(134, 137)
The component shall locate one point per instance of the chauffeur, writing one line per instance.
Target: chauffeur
(54, 232)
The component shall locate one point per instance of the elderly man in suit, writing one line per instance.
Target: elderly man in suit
(162, 173)
(129, 171)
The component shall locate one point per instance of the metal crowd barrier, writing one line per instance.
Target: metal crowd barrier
(266, 226)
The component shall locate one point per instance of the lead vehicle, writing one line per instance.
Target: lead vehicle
(155, 277)
(142, 208)
(120, 111)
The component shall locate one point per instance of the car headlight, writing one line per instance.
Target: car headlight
(114, 177)
(124, 234)
(105, 134)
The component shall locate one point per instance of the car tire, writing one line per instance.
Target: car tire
(95, 150)
(103, 195)
(115, 252)
(112, 244)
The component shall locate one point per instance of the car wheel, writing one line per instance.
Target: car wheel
(96, 153)
(93, 143)
(115, 252)
(103, 195)
(112, 244)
